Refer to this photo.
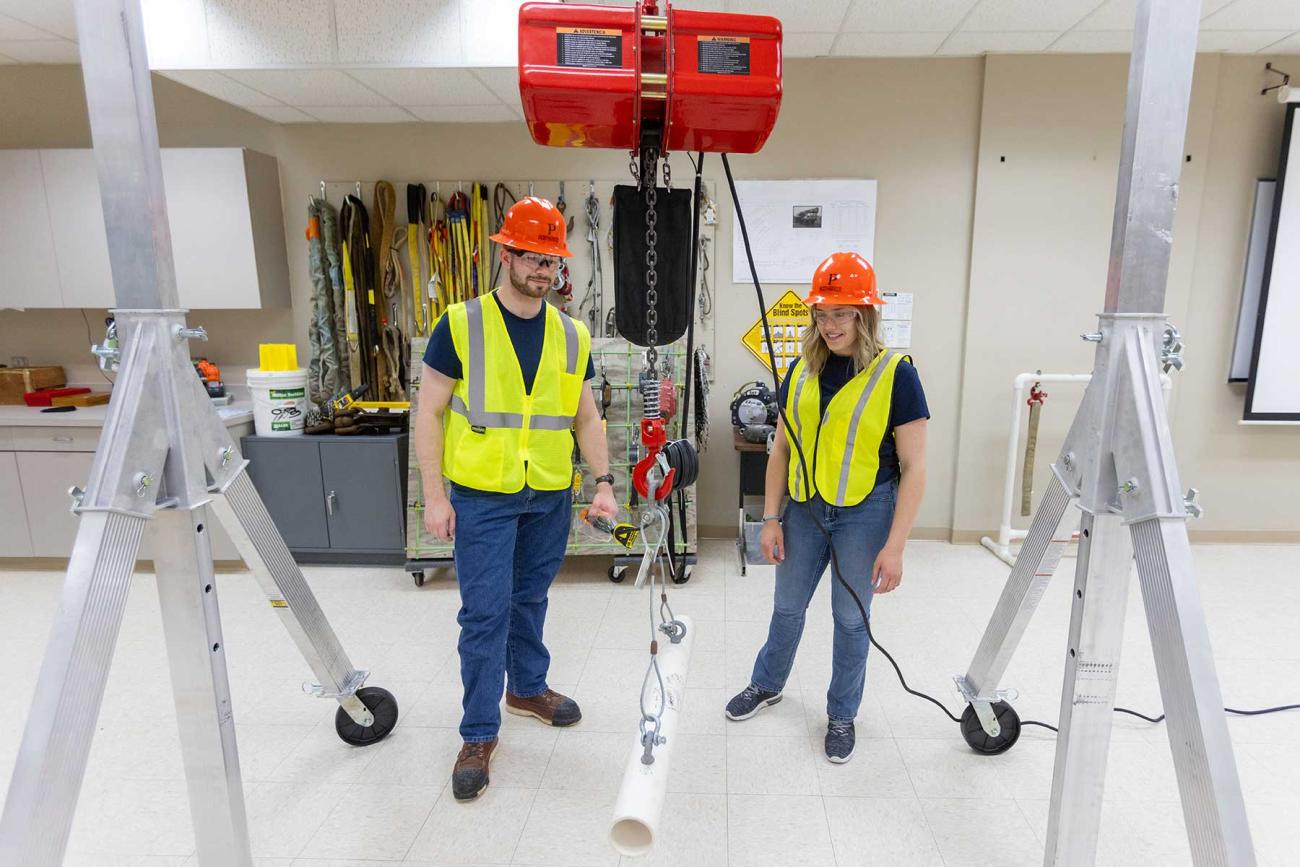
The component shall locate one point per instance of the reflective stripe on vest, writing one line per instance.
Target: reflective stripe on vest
(831, 439)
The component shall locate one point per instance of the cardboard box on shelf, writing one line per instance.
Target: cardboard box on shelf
(17, 381)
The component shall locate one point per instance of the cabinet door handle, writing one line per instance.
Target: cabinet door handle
(63, 439)
(331, 502)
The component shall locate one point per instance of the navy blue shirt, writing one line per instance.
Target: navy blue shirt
(526, 335)
(907, 404)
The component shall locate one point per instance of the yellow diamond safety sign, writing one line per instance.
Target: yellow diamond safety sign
(788, 318)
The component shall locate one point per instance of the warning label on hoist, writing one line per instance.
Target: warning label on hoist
(724, 55)
(588, 47)
(788, 318)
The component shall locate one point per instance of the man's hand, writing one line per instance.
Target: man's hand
(887, 572)
(440, 519)
(772, 541)
(603, 503)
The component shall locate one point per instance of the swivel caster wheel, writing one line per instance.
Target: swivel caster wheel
(617, 574)
(981, 741)
(683, 576)
(419, 578)
(382, 706)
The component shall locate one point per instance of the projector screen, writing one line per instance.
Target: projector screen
(1273, 393)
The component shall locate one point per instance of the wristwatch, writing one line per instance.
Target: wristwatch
(608, 477)
(767, 518)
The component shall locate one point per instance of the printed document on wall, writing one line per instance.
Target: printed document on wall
(794, 225)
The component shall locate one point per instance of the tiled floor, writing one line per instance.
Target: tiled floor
(749, 794)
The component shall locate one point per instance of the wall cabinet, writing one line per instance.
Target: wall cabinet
(334, 499)
(15, 537)
(223, 209)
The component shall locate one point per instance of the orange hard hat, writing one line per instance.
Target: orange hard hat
(536, 225)
(844, 278)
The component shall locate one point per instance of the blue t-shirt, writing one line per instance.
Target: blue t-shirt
(907, 404)
(526, 335)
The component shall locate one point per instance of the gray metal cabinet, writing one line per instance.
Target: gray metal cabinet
(334, 499)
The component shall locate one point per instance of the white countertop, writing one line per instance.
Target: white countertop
(235, 413)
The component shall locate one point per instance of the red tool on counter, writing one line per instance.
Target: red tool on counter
(45, 396)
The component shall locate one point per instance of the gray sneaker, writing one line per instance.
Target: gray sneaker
(840, 741)
(750, 701)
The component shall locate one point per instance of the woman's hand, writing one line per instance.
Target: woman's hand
(440, 519)
(772, 541)
(887, 573)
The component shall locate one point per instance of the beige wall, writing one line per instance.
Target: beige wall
(1006, 259)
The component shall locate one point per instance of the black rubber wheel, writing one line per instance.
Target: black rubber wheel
(617, 574)
(684, 576)
(980, 741)
(381, 704)
(419, 578)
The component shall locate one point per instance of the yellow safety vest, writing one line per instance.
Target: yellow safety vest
(497, 437)
(842, 447)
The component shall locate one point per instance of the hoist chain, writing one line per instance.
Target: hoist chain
(648, 177)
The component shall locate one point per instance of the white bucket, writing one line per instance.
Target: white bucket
(279, 401)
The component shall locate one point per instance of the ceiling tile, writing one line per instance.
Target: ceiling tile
(1239, 41)
(806, 44)
(419, 32)
(307, 87)
(1255, 15)
(52, 16)
(41, 50)
(967, 44)
(176, 33)
(12, 28)
(1122, 14)
(426, 86)
(258, 33)
(1094, 42)
(280, 113)
(887, 44)
(464, 113)
(487, 29)
(918, 16)
(797, 16)
(360, 114)
(221, 86)
(1290, 45)
(1010, 15)
(503, 81)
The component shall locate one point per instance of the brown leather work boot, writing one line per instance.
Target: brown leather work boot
(550, 707)
(470, 775)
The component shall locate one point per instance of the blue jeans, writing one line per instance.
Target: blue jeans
(858, 532)
(509, 548)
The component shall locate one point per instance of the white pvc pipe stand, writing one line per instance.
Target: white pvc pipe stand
(1001, 547)
(635, 823)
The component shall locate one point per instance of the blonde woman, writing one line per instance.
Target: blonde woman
(859, 412)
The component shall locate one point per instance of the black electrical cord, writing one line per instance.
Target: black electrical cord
(803, 463)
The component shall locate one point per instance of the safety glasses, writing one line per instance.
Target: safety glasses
(839, 317)
(536, 261)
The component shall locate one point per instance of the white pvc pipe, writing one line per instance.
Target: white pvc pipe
(1007, 534)
(635, 824)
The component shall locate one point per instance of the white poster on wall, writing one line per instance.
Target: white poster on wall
(794, 225)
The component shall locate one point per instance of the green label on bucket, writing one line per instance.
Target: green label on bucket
(281, 425)
(288, 393)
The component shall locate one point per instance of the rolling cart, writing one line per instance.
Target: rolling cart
(619, 362)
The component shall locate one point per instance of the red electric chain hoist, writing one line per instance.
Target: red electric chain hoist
(650, 82)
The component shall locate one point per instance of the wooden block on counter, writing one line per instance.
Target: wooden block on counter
(94, 398)
(17, 381)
